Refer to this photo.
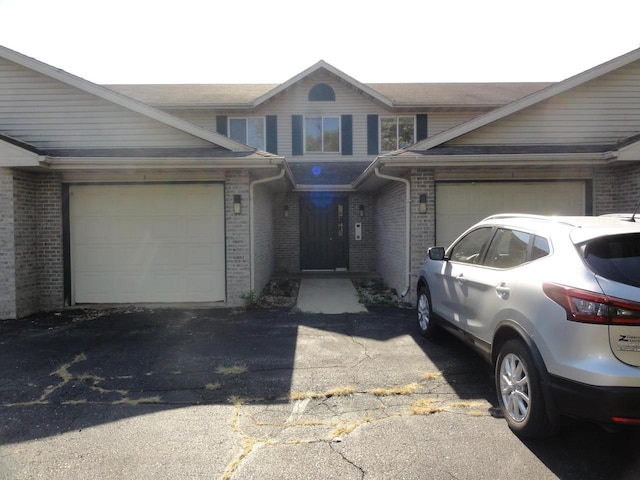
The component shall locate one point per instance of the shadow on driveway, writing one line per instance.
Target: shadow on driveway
(81, 368)
(95, 366)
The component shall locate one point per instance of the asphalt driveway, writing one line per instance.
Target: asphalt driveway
(223, 393)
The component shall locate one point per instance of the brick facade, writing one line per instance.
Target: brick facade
(31, 241)
(263, 236)
(237, 237)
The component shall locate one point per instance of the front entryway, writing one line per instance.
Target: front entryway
(324, 235)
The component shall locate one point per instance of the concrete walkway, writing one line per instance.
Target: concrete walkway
(328, 295)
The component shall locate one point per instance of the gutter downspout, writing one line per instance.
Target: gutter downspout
(252, 220)
(407, 227)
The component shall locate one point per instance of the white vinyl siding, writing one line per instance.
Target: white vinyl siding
(50, 114)
(460, 205)
(147, 243)
(604, 110)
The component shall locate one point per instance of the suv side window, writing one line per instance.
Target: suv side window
(540, 248)
(508, 248)
(469, 248)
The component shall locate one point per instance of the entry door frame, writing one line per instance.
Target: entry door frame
(324, 231)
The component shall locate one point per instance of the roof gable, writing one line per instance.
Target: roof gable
(337, 74)
(518, 106)
(179, 126)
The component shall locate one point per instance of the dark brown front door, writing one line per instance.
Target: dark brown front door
(323, 232)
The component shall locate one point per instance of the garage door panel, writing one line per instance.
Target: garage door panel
(460, 205)
(164, 243)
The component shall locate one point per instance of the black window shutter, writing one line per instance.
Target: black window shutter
(372, 135)
(297, 141)
(221, 124)
(272, 134)
(346, 125)
(421, 127)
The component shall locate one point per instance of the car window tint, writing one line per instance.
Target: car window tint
(508, 248)
(615, 257)
(540, 248)
(469, 248)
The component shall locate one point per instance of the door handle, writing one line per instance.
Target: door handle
(461, 280)
(503, 291)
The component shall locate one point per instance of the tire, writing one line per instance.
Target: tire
(426, 323)
(520, 393)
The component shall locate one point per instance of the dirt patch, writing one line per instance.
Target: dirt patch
(284, 293)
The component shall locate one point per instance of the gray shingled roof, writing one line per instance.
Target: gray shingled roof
(402, 94)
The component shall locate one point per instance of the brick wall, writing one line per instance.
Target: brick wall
(237, 235)
(7, 246)
(26, 242)
(31, 266)
(362, 252)
(50, 241)
(263, 241)
(390, 226)
(287, 233)
(618, 189)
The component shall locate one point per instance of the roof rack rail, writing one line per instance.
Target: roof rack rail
(546, 218)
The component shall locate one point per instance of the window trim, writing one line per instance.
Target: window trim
(246, 130)
(322, 134)
(397, 121)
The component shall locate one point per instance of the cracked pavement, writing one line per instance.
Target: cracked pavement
(234, 394)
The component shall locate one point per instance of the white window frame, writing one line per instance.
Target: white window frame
(322, 119)
(397, 122)
(246, 131)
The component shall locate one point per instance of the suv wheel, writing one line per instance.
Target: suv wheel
(426, 322)
(520, 392)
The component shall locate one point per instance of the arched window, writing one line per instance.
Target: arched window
(322, 93)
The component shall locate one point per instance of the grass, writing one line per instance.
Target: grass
(400, 390)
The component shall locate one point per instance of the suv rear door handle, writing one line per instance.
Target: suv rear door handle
(503, 291)
(461, 280)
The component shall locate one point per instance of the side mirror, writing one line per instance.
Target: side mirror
(436, 253)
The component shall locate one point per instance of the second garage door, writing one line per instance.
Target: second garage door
(460, 205)
(147, 243)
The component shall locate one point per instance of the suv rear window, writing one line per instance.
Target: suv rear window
(616, 257)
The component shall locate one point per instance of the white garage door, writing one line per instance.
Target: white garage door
(147, 243)
(460, 205)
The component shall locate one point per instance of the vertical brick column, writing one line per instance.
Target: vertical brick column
(422, 224)
(237, 237)
(7, 246)
(49, 241)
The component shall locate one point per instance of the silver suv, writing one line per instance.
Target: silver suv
(553, 304)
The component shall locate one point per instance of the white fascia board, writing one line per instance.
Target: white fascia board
(324, 188)
(121, 100)
(629, 152)
(93, 163)
(14, 156)
(322, 64)
(527, 159)
(528, 101)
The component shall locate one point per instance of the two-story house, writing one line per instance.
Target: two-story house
(199, 193)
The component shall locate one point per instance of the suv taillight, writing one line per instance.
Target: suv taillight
(589, 307)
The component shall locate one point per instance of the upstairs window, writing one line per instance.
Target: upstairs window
(250, 131)
(396, 132)
(322, 93)
(322, 134)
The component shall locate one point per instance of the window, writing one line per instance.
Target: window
(469, 248)
(250, 131)
(322, 134)
(322, 93)
(396, 132)
(508, 249)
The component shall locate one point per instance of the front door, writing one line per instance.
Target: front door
(323, 232)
